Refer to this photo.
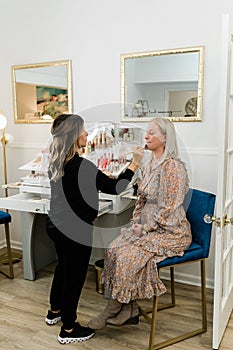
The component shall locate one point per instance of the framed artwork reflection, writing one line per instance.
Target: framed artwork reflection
(52, 101)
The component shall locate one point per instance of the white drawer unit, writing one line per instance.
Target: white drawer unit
(120, 202)
(27, 202)
(105, 206)
(33, 203)
(38, 249)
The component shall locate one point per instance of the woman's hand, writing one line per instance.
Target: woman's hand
(138, 153)
(137, 228)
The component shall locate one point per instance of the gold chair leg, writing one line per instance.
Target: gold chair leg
(9, 254)
(187, 335)
(153, 323)
(173, 296)
(203, 295)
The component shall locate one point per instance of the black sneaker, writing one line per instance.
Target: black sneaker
(52, 318)
(78, 334)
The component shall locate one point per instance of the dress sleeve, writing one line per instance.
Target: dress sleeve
(136, 218)
(172, 190)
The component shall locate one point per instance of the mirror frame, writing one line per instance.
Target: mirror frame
(123, 92)
(14, 69)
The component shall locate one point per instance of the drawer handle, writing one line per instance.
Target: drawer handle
(37, 209)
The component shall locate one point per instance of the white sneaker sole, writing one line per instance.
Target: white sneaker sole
(53, 321)
(73, 340)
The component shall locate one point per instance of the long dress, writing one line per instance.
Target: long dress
(130, 268)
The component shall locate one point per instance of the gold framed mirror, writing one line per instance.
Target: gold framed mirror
(41, 91)
(168, 83)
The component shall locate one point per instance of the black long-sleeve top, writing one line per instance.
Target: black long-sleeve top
(77, 191)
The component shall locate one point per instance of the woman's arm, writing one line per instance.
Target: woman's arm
(115, 186)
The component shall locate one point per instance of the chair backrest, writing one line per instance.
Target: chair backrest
(4, 217)
(197, 204)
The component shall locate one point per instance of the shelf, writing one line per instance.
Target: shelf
(38, 165)
(166, 82)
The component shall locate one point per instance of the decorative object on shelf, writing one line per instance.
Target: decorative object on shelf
(170, 113)
(149, 78)
(140, 109)
(191, 107)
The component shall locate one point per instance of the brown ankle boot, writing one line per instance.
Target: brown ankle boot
(129, 314)
(111, 310)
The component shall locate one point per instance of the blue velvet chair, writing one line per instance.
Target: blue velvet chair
(197, 204)
(5, 218)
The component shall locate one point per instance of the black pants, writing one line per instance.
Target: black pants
(69, 275)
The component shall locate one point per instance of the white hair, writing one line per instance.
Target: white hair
(167, 129)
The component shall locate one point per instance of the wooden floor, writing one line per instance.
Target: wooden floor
(24, 304)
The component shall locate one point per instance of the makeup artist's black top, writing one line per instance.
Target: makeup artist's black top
(76, 193)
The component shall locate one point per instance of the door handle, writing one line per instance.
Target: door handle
(209, 219)
(227, 221)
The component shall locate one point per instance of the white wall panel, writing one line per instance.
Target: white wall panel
(93, 35)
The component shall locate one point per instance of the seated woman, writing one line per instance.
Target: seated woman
(159, 230)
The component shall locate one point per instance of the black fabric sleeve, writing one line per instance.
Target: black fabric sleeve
(113, 186)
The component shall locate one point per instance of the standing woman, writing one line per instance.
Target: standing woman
(159, 230)
(75, 183)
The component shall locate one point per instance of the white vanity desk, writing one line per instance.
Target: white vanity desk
(38, 248)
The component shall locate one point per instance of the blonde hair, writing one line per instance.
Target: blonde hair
(66, 129)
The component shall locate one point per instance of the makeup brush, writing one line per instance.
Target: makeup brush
(130, 152)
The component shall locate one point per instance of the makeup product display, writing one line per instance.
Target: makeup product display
(110, 146)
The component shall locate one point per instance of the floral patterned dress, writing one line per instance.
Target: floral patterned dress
(130, 269)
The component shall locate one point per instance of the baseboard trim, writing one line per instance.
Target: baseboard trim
(180, 277)
(14, 245)
(184, 278)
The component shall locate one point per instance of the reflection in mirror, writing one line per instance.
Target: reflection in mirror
(42, 91)
(168, 83)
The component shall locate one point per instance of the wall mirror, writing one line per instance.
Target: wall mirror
(167, 83)
(41, 91)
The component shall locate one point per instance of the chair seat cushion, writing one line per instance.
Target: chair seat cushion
(194, 252)
(4, 217)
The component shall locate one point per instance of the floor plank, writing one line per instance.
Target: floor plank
(24, 304)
